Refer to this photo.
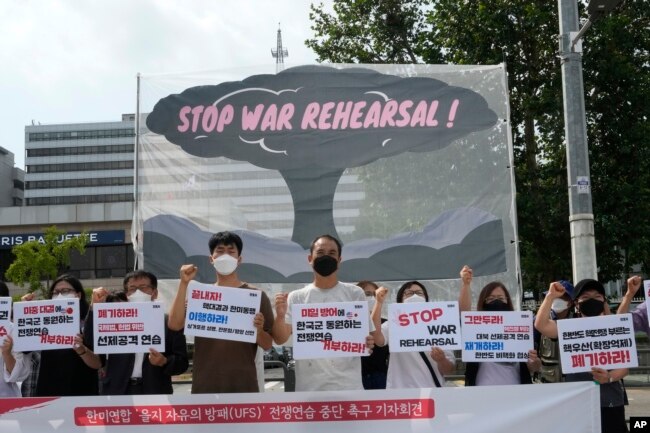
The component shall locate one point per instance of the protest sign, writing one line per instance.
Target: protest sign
(417, 326)
(330, 329)
(646, 289)
(603, 341)
(45, 325)
(497, 336)
(5, 316)
(128, 327)
(226, 313)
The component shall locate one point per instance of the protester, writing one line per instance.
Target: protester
(494, 297)
(322, 374)
(222, 366)
(590, 302)
(640, 313)
(549, 348)
(374, 367)
(412, 369)
(137, 373)
(63, 372)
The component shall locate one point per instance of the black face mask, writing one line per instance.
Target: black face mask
(325, 265)
(591, 307)
(496, 305)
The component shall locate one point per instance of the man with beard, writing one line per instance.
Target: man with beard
(332, 373)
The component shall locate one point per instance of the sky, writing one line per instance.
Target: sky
(69, 61)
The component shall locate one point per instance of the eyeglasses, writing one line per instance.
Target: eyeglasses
(145, 288)
(411, 292)
(370, 294)
(63, 291)
(494, 298)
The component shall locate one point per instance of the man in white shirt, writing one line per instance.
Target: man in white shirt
(322, 374)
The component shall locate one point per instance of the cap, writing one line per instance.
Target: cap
(589, 284)
(568, 287)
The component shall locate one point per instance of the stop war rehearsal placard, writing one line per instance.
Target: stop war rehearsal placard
(128, 327)
(417, 326)
(497, 336)
(45, 325)
(226, 313)
(604, 341)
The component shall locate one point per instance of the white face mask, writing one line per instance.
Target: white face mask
(139, 296)
(66, 296)
(414, 298)
(559, 305)
(225, 264)
(371, 302)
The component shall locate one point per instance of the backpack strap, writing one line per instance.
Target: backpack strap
(430, 367)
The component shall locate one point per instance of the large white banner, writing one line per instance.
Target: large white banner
(280, 158)
(605, 341)
(45, 325)
(128, 327)
(518, 408)
(416, 327)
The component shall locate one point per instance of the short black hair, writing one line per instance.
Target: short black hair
(78, 288)
(140, 273)
(117, 297)
(225, 238)
(330, 237)
(4, 290)
(400, 292)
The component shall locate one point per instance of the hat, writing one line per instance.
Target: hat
(589, 284)
(568, 287)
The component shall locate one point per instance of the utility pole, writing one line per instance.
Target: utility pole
(279, 53)
(581, 216)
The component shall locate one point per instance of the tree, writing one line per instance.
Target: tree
(524, 35)
(44, 258)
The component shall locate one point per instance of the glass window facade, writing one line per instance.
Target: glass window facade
(81, 150)
(81, 135)
(77, 199)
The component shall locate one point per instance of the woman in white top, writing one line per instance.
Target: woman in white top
(411, 369)
(14, 369)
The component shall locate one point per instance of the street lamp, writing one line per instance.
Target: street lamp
(581, 217)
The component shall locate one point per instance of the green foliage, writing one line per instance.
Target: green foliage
(523, 34)
(36, 261)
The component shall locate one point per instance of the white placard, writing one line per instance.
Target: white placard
(417, 326)
(5, 316)
(128, 327)
(604, 341)
(226, 313)
(497, 336)
(330, 329)
(45, 325)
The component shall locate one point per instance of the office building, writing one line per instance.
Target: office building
(12, 180)
(78, 163)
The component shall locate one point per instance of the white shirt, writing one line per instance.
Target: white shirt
(330, 373)
(8, 386)
(408, 370)
(498, 373)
